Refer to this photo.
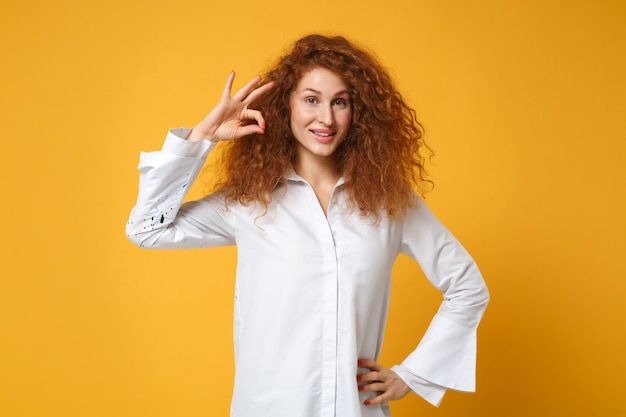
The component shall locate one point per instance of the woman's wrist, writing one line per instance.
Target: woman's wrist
(196, 136)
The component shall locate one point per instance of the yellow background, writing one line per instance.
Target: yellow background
(523, 102)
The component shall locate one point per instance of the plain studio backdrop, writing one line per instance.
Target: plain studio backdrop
(523, 103)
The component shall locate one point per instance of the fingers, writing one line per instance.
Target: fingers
(259, 92)
(248, 93)
(369, 363)
(385, 397)
(229, 118)
(374, 375)
(381, 380)
(249, 114)
(373, 387)
(243, 93)
(228, 88)
(379, 399)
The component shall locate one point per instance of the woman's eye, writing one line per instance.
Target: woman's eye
(340, 102)
(310, 100)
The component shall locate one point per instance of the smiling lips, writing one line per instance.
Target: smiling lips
(323, 135)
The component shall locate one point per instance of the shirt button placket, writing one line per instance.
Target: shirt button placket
(330, 336)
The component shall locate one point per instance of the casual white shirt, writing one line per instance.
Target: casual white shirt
(312, 290)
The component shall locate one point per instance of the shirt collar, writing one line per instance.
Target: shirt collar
(291, 175)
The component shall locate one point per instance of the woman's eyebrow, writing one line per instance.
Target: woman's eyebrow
(312, 90)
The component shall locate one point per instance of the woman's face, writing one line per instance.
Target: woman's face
(321, 113)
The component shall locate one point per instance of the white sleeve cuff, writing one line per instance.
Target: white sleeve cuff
(176, 143)
(446, 355)
(429, 391)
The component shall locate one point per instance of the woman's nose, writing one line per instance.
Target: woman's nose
(325, 115)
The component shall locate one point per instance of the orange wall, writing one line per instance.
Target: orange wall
(523, 103)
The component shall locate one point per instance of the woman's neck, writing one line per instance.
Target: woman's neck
(317, 170)
(321, 174)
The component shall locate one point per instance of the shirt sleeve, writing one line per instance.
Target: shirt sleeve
(432, 393)
(446, 355)
(159, 219)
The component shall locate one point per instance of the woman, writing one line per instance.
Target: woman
(319, 198)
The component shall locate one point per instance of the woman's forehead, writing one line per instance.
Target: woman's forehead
(321, 80)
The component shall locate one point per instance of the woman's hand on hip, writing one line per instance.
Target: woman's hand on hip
(381, 380)
(228, 120)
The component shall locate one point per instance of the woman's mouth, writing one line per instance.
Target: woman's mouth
(323, 136)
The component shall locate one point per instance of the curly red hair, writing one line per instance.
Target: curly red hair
(381, 158)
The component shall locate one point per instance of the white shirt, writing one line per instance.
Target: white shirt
(312, 291)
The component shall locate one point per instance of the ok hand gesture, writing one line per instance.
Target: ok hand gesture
(228, 119)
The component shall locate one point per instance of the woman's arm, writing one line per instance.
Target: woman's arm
(159, 219)
(446, 355)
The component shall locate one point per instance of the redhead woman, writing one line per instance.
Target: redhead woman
(324, 169)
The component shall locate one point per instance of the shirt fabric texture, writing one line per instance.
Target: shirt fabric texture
(312, 290)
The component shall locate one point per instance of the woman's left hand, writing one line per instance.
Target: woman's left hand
(382, 380)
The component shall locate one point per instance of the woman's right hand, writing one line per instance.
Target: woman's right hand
(228, 119)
